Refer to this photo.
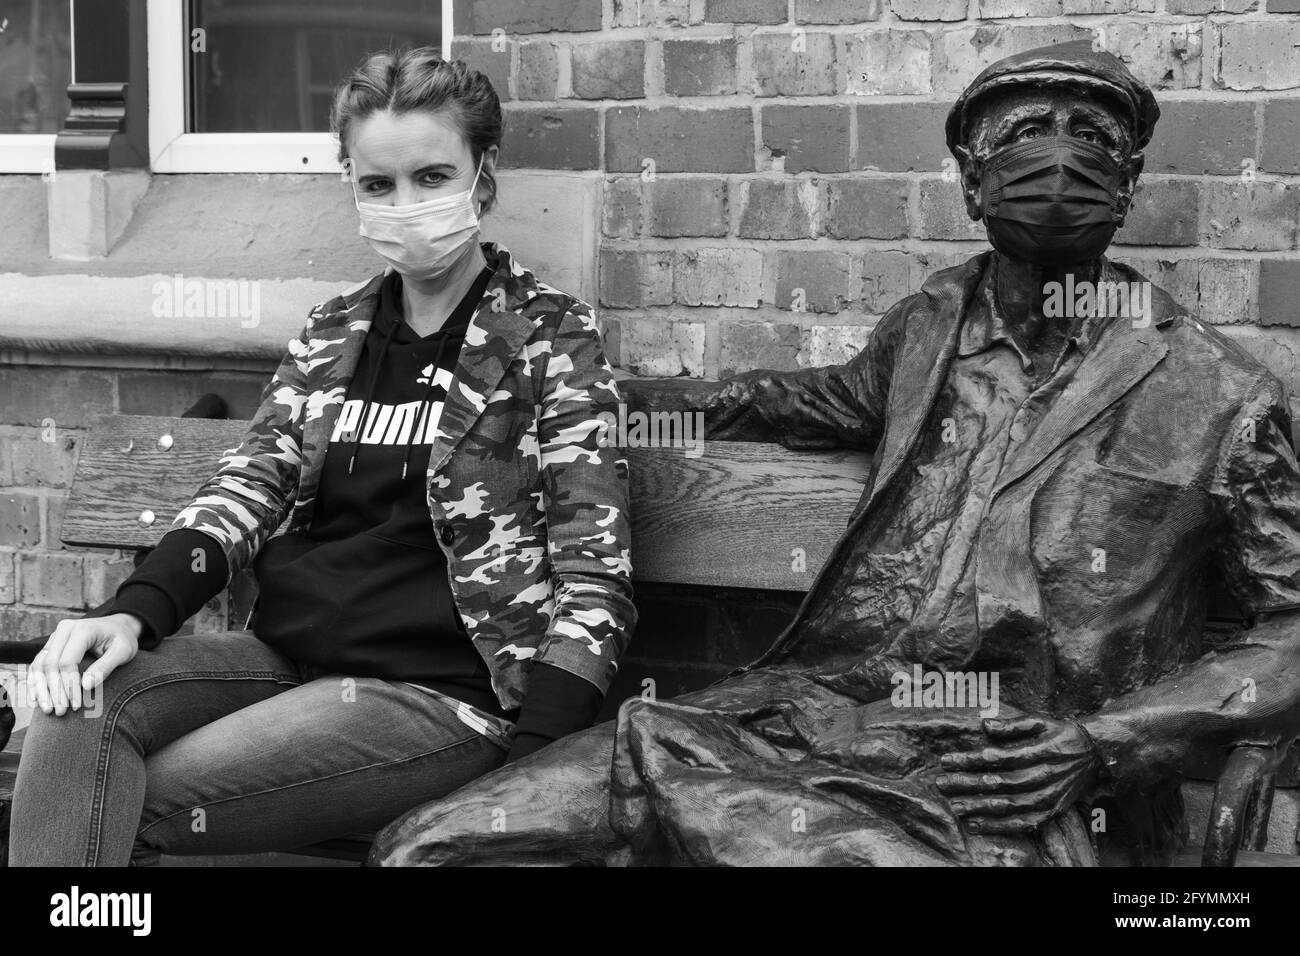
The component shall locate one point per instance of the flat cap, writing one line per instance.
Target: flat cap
(1066, 64)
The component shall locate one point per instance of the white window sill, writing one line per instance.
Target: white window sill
(27, 153)
(249, 153)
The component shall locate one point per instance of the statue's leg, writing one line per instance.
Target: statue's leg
(552, 807)
(700, 787)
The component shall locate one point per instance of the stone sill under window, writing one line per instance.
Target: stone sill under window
(90, 261)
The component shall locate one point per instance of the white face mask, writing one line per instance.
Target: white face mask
(425, 239)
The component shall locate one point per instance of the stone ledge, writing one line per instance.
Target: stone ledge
(103, 315)
(282, 227)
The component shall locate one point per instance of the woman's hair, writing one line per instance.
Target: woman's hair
(420, 80)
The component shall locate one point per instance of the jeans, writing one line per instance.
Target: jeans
(217, 743)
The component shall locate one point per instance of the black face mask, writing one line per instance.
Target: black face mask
(1051, 201)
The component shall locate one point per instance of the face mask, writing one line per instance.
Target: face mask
(425, 239)
(1051, 201)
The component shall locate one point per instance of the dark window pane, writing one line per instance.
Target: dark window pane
(35, 65)
(271, 67)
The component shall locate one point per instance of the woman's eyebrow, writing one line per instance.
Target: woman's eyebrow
(430, 168)
(435, 168)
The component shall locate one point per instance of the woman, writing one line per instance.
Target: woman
(452, 587)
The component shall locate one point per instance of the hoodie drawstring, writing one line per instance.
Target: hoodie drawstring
(425, 408)
(370, 394)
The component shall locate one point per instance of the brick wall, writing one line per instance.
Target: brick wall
(775, 169)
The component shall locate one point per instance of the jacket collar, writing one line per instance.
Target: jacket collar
(929, 342)
(496, 332)
(986, 323)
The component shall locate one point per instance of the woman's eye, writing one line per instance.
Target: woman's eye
(435, 179)
(1030, 132)
(1088, 135)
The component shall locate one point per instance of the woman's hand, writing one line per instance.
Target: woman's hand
(54, 676)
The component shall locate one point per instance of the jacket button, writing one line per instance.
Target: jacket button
(447, 534)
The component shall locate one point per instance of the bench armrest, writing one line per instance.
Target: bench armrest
(1243, 798)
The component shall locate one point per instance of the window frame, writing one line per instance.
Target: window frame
(172, 150)
(34, 152)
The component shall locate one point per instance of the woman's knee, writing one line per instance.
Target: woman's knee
(115, 708)
(88, 713)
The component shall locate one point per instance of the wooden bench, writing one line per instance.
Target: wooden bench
(745, 523)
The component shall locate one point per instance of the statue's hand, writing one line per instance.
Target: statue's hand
(1029, 771)
(732, 398)
(749, 406)
(725, 405)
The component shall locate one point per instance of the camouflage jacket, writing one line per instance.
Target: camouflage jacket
(527, 493)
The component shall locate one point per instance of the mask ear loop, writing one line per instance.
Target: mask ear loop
(473, 189)
(352, 180)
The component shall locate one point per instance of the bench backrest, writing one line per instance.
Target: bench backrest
(741, 514)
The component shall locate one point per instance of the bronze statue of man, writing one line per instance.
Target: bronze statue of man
(1057, 468)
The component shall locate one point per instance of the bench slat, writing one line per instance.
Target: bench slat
(735, 515)
(732, 517)
(112, 486)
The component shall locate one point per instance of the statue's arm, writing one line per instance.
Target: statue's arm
(1248, 692)
(827, 407)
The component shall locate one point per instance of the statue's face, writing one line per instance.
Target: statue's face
(1014, 115)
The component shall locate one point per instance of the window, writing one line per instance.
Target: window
(35, 70)
(245, 85)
